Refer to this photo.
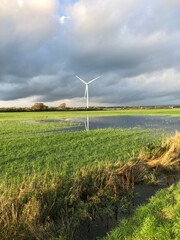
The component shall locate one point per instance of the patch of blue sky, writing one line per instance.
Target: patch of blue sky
(63, 4)
(67, 2)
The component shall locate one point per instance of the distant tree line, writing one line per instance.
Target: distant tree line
(62, 107)
(40, 107)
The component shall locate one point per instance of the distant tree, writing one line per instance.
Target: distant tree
(39, 107)
(62, 106)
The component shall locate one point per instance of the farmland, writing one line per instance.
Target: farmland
(50, 180)
(71, 114)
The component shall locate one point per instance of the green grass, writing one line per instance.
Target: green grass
(158, 220)
(23, 153)
(44, 174)
(14, 127)
(29, 145)
(66, 114)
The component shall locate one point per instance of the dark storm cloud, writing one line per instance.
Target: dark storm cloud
(134, 46)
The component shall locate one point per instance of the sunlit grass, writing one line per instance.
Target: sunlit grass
(31, 154)
(50, 182)
(159, 219)
(67, 114)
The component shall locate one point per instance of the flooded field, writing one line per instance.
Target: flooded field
(60, 179)
(164, 123)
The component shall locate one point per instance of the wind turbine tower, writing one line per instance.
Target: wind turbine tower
(86, 94)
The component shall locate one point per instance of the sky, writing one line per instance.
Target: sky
(134, 45)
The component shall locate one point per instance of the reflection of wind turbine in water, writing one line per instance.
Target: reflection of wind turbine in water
(86, 94)
(87, 124)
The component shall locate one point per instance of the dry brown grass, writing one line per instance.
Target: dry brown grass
(165, 160)
(167, 156)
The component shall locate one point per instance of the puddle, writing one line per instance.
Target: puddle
(99, 228)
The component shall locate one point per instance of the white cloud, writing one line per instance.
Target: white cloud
(30, 21)
(171, 2)
(93, 16)
(62, 19)
(42, 5)
(20, 3)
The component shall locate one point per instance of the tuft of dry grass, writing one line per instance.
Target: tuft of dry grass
(167, 156)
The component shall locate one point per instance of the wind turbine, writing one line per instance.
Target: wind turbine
(86, 94)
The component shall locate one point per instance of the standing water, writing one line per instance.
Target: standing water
(164, 123)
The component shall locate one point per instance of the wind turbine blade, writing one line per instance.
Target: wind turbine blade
(93, 80)
(81, 80)
(85, 93)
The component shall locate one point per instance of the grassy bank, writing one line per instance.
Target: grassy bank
(52, 182)
(158, 220)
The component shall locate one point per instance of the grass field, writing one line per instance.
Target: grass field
(47, 179)
(71, 114)
(29, 149)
